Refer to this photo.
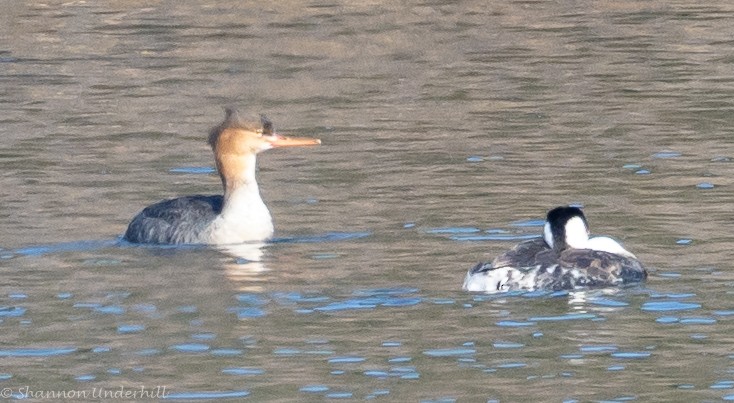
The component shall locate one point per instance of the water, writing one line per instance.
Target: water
(448, 129)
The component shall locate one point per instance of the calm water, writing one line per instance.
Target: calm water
(448, 131)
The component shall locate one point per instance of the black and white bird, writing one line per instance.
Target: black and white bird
(566, 257)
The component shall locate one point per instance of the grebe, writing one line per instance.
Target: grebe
(240, 214)
(564, 258)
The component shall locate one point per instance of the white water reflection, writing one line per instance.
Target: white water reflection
(246, 270)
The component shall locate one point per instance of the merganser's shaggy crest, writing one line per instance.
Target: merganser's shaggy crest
(565, 258)
(240, 214)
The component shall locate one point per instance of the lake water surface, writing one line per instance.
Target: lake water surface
(449, 129)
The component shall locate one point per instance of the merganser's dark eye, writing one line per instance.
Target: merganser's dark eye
(267, 125)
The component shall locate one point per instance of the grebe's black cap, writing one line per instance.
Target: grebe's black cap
(556, 221)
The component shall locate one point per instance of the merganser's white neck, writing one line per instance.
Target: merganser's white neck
(244, 216)
(239, 181)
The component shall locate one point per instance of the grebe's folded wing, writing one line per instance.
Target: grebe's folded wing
(524, 254)
(602, 268)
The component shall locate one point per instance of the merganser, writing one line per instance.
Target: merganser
(564, 258)
(240, 214)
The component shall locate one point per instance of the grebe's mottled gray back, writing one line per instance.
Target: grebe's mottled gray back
(564, 258)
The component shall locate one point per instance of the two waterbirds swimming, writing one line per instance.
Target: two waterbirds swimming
(565, 257)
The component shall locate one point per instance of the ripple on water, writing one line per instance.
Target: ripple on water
(632, 355)
(666, 154)
(11, 311)
(377, 393)
(453, 230)
(204, 336)
(247, 312)
(251, 299)
(513, 323)
(666, 306)
(598, 349)
(378, 292)
(132, 328)
(286, 351)
(294, 297)
(449, 352)
(187, 309)
(495, 237)
(372, 298)
(339, 395)
(193, 170)
(242, 371)
(698, 321)
(37, 352)
(346, 360)
(77, 246)
(607, 302)
(723, 384)
(565, 317)
(148, 352)
(512, 365)
(408, 372)
(439, 400)
(528, 223)
(226, 352)
(314, 389)
(507, 345)
(351, 304)
(109, 310)
(190, 347)
(680, 295)
(327, 237)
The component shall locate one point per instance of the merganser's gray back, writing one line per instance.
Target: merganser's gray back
(183, 220)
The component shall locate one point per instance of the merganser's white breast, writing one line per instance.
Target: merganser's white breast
(240, 215)
(565, 258)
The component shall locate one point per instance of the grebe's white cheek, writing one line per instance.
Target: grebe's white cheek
(548, 234)
(577, 234)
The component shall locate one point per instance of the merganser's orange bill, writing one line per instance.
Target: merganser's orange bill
(281, 141)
